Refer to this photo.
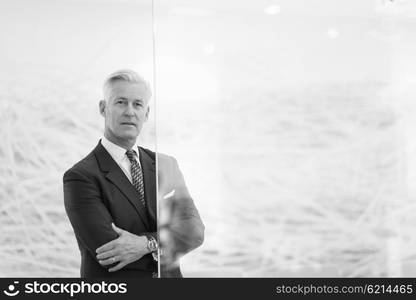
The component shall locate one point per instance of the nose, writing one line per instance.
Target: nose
(129, 111)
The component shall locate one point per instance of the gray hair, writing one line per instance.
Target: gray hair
(125, 75)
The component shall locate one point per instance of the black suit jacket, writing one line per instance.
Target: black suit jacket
(97, 193)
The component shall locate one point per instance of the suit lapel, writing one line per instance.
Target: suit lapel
(119, 179)
(149, 178)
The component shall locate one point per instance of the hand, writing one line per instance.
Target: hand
(125, 249)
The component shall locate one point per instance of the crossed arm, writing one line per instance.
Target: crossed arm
(112, 247)
(125, 249)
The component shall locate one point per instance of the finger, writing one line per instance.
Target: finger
(109, 261)
(116, 229)
(107, 254)
(117, 267)
(106, 247)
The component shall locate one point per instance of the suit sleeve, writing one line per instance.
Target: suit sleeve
(87, 213)
(186, 226)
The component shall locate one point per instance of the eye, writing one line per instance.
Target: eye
(138, 104)
(119, 101)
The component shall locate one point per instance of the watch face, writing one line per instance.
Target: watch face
(152, 245)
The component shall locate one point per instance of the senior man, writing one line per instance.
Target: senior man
(110, 195)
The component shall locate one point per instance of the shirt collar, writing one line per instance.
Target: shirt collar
(117, 153)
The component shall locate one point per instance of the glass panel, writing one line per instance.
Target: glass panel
(54, 58)
(292, 123)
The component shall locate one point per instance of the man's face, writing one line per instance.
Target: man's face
(125, 111)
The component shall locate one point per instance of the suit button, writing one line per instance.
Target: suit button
(154, 275)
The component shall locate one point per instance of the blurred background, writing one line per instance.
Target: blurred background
(292, 122)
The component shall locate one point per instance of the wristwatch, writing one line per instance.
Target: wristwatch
(152, 246)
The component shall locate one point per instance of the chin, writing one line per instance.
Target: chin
(125, 134)
(129, 136)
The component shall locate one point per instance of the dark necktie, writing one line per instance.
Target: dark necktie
(136, 175)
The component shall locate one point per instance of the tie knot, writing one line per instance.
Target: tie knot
(131, 155)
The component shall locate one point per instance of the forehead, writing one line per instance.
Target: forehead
(130, 90)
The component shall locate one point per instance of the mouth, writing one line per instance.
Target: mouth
(128, 124)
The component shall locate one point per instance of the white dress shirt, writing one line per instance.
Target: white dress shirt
(119, 155)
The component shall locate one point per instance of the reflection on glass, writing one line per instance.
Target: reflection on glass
(293, 126)
(179, 225)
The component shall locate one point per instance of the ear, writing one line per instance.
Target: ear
(102, 105)
(147, 112)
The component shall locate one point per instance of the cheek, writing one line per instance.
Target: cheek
(111, 121)
(113, 116)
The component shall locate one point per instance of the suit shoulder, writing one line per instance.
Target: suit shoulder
(165, 158)
(84, 166)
